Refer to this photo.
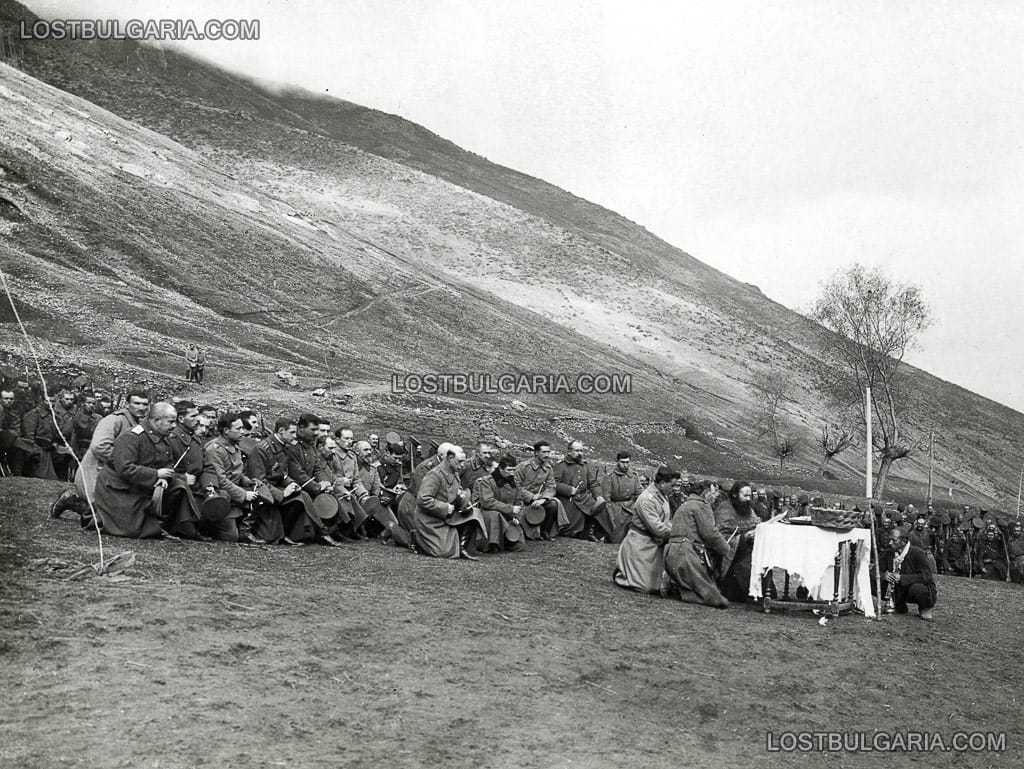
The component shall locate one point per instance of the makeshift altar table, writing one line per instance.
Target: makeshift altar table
(832, 565)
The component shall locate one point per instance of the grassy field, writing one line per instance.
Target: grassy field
(227, 656)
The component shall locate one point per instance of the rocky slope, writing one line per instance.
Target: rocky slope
(149, 199)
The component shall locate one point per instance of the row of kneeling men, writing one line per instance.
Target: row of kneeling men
(168, 471)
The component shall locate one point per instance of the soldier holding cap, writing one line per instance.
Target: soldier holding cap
(135, 494)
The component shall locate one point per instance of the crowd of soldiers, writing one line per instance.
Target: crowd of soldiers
(178, 470)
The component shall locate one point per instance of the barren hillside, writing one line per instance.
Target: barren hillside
(151, 199)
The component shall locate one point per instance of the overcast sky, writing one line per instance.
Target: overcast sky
(776, 141)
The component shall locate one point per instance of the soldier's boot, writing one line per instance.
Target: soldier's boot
(62, 503)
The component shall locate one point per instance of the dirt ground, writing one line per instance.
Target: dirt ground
(227, 656)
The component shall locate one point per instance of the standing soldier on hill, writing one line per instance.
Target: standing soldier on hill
(760, 505)
(578, 487)
(620, 488)
(192, 362)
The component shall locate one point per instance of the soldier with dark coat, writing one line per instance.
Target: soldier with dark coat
(307, 468)
(501, 505)
(761, 506)
(12, 457)
(479, 465)
(285, 515)
(84, 425)
(693, 546)
(578, 487)
(392, 478)
(142, 459)
(620, 488)
(911, 578)
(41, 440)
(64, 410)
(193, 468)
(922, 537)
(990, 555)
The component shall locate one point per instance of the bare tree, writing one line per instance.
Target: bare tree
(835, 439)
(770, 389)
(875, 322)
(784, 446)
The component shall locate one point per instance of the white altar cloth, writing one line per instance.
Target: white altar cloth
(809, 553)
